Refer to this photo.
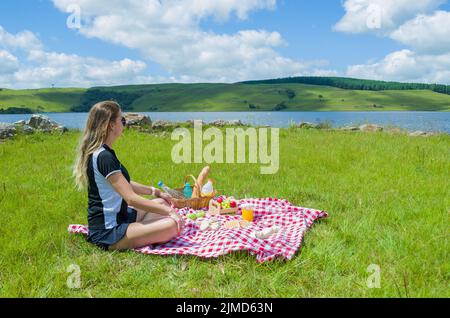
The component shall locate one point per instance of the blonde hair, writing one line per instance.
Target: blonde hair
(94, 135)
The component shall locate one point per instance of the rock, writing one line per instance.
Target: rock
(370, 127)
(41, 122)
(160, 124)
(349, 128)
(137, 120)
(394, 131)
(7, 131)
(218, 123)
(27, 129)
(144, 130)
(307, 125)
(10, 130)
(419, 133)
(61, 129)
(235, 122)
(191, 122)
(164, 124)
(20, 123)
(222, 123)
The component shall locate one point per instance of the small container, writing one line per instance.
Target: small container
(187, 191)
(208, 188)
(247, 212)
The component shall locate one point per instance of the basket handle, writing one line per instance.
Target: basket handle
(196, 184)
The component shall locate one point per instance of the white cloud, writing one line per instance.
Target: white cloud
(68, 70)
(24, 40)
(415, 24)
(406, 66)
(430, 34)
(167, 12)
(8, 63)
(165, 32)
(381, 16)
(41, 68)
(169, 33)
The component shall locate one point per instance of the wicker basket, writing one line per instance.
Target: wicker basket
(194, 203)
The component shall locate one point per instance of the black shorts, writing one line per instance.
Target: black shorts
(105, 238)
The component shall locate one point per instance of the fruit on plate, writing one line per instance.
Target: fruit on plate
(227, 203)
(192, 216)
(195, 216)
(200, 214)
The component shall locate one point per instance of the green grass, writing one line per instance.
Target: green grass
(46, 99)
(238, 97)
(387, 196)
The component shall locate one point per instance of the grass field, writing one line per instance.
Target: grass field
(237, 97)
(388, 197)
(47, 100)
(222, 97)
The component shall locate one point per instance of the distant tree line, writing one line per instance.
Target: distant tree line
(16, 110)
(352, 83)
(94, 95)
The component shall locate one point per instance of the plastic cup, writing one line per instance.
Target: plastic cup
(248, 212)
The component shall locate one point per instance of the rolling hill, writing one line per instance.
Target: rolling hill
(246, 96)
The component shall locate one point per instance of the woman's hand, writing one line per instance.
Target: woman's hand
(179, 220)
(166, 197)
(158, 193)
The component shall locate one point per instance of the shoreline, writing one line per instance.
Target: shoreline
(409, 120)
(379, 110)
(144, 124)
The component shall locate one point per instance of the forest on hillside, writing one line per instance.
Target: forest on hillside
(353, 83)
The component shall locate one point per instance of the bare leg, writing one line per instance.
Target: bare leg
(140, 234)
(150, 228)
(148, 216)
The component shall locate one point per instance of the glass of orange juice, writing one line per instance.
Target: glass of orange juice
(247, 212)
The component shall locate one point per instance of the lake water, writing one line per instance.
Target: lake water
(425, 121)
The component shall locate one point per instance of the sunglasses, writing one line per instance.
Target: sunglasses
(124, 121)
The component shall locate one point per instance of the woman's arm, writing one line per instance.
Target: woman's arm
(144, 190)
(121, 185)
(126, 190)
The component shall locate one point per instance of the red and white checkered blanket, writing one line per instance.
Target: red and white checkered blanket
(293, 221)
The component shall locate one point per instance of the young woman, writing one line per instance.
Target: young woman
(118, 216)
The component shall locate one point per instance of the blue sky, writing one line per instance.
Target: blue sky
(287, 38)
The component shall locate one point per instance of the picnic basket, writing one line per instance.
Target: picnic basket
(194, 203)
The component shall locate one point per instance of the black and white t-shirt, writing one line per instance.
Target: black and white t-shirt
(106, 208)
